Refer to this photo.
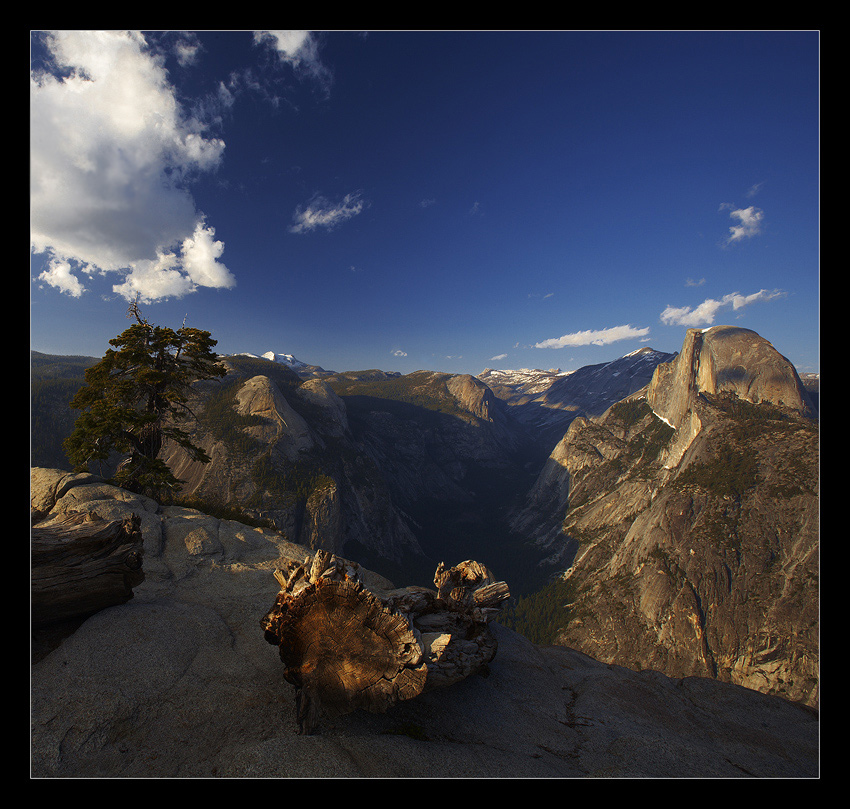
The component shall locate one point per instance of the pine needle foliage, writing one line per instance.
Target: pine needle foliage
(135, 398)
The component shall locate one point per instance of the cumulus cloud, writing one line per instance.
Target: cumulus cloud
(749, 222)
(706, 312)
(111, 157)
(58, 274)
(598, 337)
(322, 213)
(170, 276)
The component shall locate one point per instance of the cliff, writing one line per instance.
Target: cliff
(180, 683)
(687, 517)
(282, 454)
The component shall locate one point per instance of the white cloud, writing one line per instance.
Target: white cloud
(299, 49)
(593, 337)
(59, 275)
(321, 213)
(399, 353)
(111, 155)
(499, 357)
(705, 313)
(171, 277)
(154, 280)
(187, 48)
(749, 222)
(200, 259)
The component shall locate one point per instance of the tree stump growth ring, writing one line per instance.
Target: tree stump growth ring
(346, 648)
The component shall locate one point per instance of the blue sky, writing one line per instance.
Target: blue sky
(442, 200)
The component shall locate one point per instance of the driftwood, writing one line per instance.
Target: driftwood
(345, 647)
(81, 565)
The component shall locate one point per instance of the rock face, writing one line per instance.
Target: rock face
(180, 683)
(687, 516)
(428, 430)
(282, 452)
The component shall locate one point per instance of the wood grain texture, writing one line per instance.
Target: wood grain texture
(346, 648)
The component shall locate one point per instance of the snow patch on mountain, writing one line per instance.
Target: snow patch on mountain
(522, 380)
(290, 360)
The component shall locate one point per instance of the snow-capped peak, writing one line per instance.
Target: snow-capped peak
(283, 359)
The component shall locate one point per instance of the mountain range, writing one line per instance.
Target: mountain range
(672, 497)
(547, 401)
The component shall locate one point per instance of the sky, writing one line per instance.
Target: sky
(441, 200)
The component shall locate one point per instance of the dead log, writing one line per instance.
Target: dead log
(345, 647)
(82, 564)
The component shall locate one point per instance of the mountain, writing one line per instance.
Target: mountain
(687, 518)
(547, 401)
(397, 472)
(282, 454)
(53, 382)
(301, 368)
(684, 516)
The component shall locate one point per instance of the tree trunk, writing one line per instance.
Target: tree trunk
(82, 565)
(345, 647)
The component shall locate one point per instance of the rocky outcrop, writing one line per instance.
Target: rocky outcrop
(688, 518)
(282, 452)
(272, 420)
(474, 396)
(180, 683)
(721, 360)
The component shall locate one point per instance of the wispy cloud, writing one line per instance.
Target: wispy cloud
(399, 353)
(112, 158)
(499, 357)
(749, 222)
(706, 312)
(594, 337)
(299, 50)
(694, 283)
(322, 213)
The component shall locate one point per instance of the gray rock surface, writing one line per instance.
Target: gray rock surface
(179, 683)
(687, 518)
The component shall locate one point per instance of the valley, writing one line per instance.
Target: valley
(670, 499)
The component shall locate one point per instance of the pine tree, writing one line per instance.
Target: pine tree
(134, 400)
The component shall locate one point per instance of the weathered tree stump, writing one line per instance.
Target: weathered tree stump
(345, 647)
(81, 565)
